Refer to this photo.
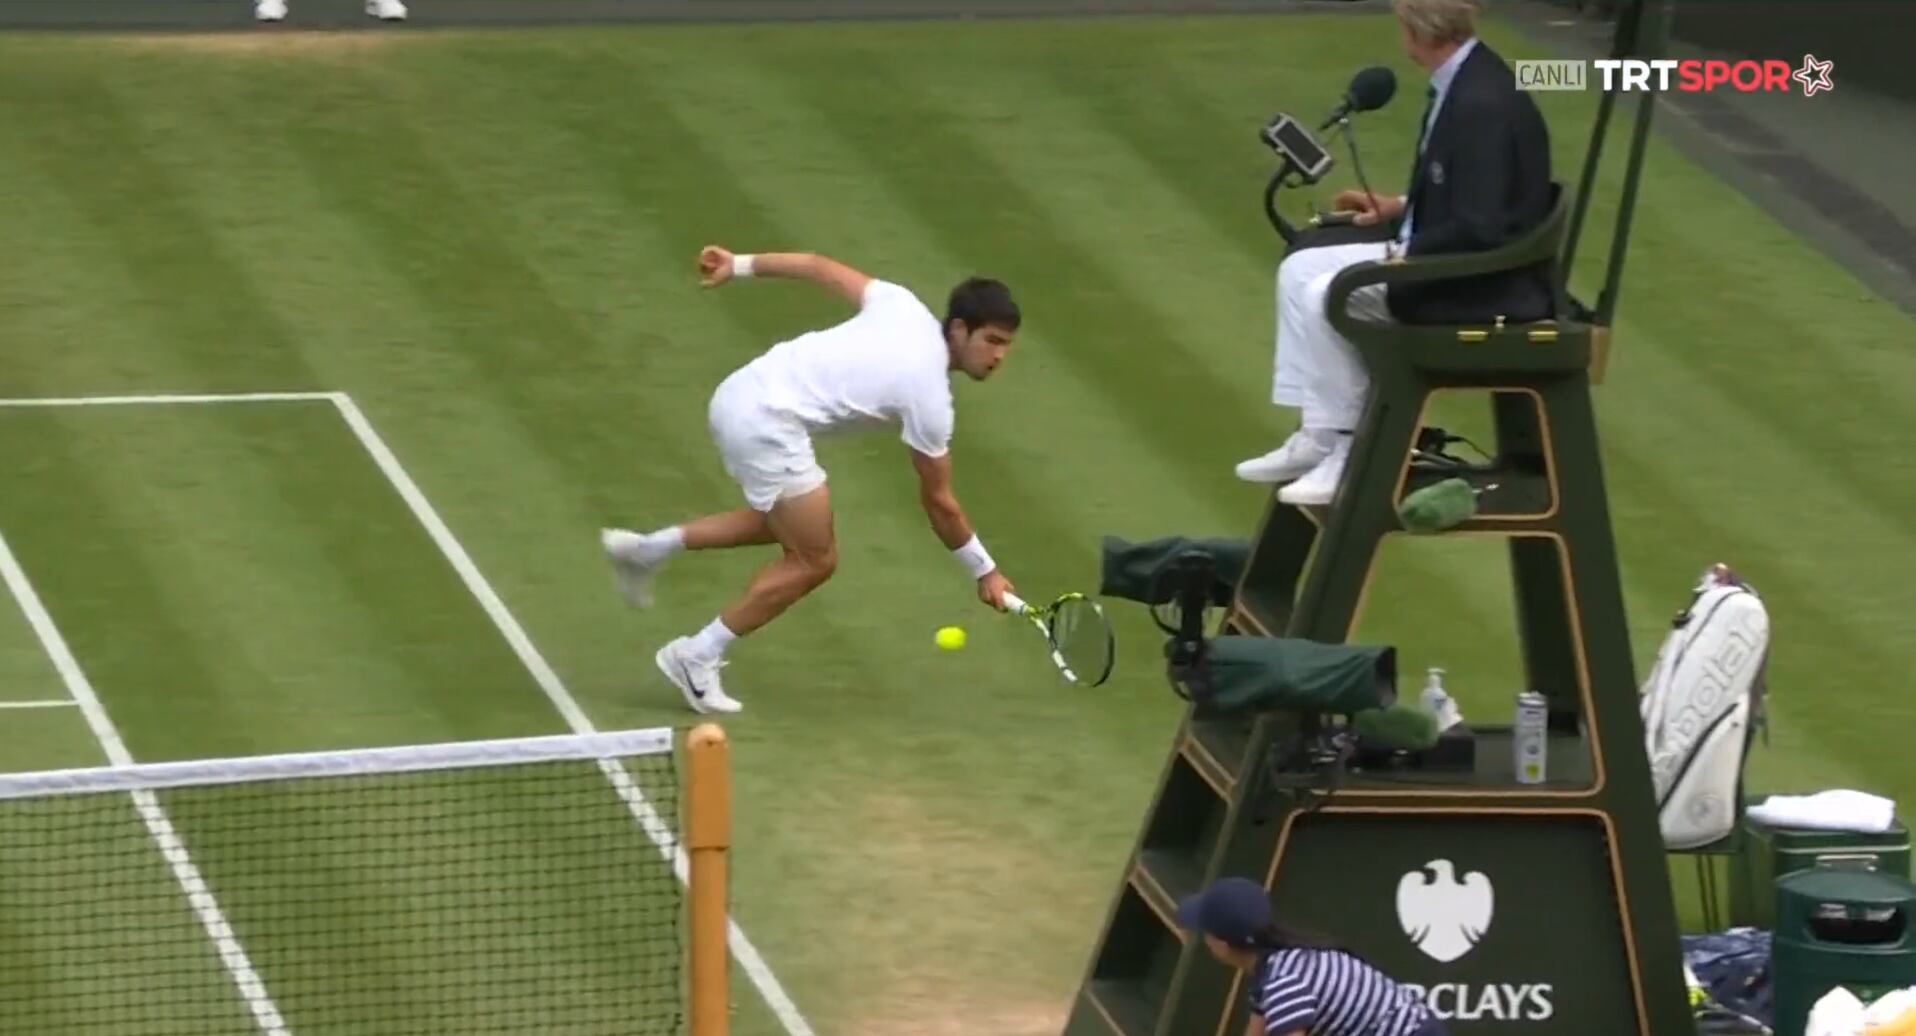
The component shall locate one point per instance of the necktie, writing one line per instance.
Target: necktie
(1423, 127)
(1417, 165)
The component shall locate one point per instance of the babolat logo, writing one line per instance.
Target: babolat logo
(1503, 1002)
(1446, 916)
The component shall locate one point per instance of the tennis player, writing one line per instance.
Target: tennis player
(1300, 986)
(890, 365)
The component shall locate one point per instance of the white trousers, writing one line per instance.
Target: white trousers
(1318, 370)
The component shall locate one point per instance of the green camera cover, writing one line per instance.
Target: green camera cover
(1285, 674)
(1145, 572)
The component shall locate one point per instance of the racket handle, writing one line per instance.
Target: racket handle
(1013, 604)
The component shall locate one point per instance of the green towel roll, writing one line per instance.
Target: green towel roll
(1398, 727)
(1442, 505)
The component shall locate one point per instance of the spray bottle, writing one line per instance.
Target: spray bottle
(1437, 702)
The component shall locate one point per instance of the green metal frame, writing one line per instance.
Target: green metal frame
(1226, 806)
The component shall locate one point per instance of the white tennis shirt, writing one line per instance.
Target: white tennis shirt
(888, 365)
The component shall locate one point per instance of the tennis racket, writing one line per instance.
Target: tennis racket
(1078, 634)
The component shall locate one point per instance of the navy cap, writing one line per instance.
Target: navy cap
(1233, 909)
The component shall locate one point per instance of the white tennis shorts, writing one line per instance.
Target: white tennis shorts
(767, 453)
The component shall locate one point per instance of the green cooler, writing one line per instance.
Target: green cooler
(1769, 853)
(1839, 927)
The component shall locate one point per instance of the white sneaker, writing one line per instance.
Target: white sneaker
(1319, 485)
(1299, 454)
(697, 680)
(386, 10)
(269, 10)
(634, 563)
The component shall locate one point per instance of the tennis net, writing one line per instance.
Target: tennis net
(530, 885)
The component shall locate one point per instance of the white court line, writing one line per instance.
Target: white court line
(661, 834)
(56, 703)
(171, 400)
(748, 956)
(148, 804)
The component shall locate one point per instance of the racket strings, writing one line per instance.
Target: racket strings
(1083, 639)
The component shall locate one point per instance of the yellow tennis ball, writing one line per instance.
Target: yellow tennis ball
(951, 638)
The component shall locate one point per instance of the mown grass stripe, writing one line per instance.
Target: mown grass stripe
(67, 314)
(197, 300)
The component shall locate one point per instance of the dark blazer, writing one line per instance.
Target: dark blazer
(1483, 181)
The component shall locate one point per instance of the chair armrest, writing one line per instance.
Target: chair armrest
(1423, 268)
(1409, 271)
(1539, 245)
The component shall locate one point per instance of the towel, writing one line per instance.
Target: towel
(1892, 1014)
(1839, 1013)
(1836, 810)
(1835, 1013)
(1901, 1025)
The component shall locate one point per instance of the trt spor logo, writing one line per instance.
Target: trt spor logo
(1443, 916)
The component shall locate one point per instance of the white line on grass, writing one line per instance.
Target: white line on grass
(172, 400)
(148, 804)
(57, 703)
(661, 834)
(748, 956)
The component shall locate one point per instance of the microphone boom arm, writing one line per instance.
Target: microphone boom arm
(1277, 183)
(1370, 89)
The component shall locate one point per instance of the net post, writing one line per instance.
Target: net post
(708, 839)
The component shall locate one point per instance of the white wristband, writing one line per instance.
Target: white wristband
(973, 556)
(742, 266)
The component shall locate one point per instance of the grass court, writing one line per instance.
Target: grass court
(484, 243)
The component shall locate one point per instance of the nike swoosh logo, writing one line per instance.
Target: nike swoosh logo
(697, 691)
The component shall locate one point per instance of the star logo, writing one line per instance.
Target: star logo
(1814, 75)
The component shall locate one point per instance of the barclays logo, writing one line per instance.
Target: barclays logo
(1444, 916)
(1502, 1002)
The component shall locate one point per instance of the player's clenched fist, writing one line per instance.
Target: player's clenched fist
(715, 266)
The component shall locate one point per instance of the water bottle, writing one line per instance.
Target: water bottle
(1529, 734)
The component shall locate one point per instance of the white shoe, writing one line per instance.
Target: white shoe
(634, 563)
(1299, 454)
(697, 680)
(1319, 485)
(269, 10)
(386, 10)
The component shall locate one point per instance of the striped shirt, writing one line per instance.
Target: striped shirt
(1331, 993)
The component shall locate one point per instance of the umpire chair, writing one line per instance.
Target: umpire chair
(1544, 908)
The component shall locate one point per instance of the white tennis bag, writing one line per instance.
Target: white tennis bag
(1702, 705)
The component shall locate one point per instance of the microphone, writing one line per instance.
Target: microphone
(1370, 89)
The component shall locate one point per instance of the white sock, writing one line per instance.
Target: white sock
(710, 643)
(665, 542)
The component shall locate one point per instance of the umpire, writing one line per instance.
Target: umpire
(1481, 180)
(1300, 986)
